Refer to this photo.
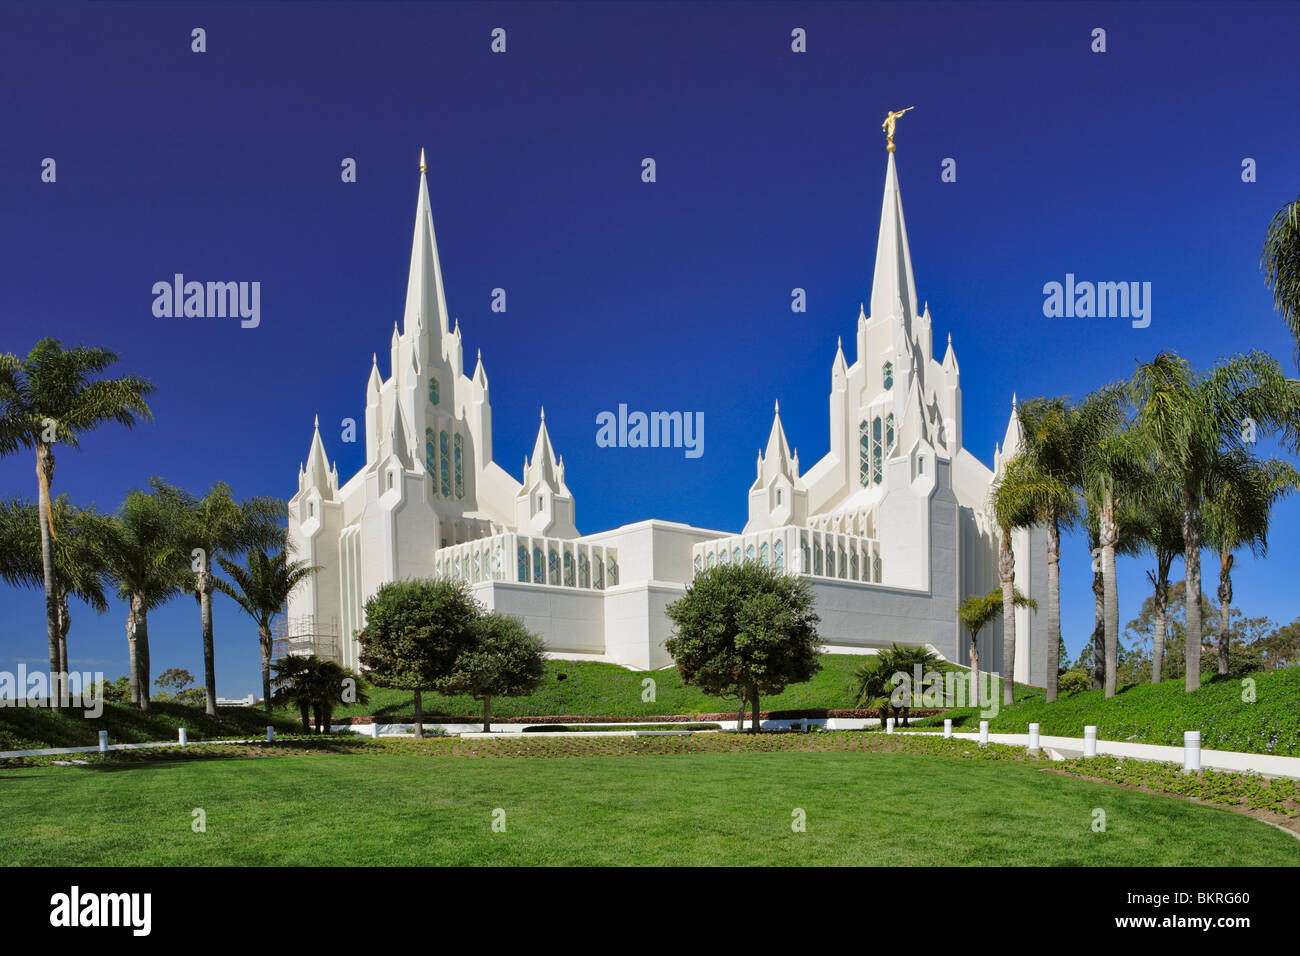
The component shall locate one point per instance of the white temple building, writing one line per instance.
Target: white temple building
(889, 526)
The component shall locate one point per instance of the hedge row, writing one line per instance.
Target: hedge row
(811, 714)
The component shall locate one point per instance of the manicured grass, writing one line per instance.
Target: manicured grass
(1159, 713)
(595, 689)
(414, 808)
(32, 728)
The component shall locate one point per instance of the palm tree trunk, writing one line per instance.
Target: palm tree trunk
(44, 474)
(1192, 561)
(1161, 580)
(65, 625)
(974, 700)
(133, 655)
(142, 652)
(1108, 535)
(1053, 604)
(209, 652)
(1098, 627)
(487, 713)
(1007, 572)
(1225, 605)
(264, 638)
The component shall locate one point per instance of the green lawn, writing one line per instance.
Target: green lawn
(596, 689)
(1159, 713)
(879, 809)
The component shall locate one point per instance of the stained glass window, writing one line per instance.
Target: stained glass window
(712, 560)
(853, 565)
(433, 391)
(749, 553)
(876, 467)
(554, 565)
(568, 569)
(584, 571)
(779, 548)
(521, 569)
(762, 555)
(699, 565)
(889, 432)
(817, 561)
(724, 556)
(864, 454)
(460, 475)
(444, 459)
(539, 568)
(598, 572)
(875, 569)
(613, 573)
(478, 569)
(430, 452)
(887, 373)
(736, 555)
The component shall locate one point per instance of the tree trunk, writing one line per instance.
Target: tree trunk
(1161, 581)
(1225, 605)
(740, 715)
(1007, 572)
(974, 700)
(44, 475)
(1192, 561)
(65, 625)
(753, 696)
(419, 715)
(142, 651)
(1098, 626)
(304, 711)
(1053, 604)
(264, 639)
(316, 714)
(133, 655)
(204, 584)
(487, 713)
(1109, 534)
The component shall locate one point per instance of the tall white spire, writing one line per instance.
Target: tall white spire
(426, 302)
(893, 281)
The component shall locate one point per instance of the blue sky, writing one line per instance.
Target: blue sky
(673, 295)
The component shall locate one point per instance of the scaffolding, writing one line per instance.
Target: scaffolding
(303, 636)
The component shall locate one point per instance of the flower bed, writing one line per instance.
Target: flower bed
(809, 714)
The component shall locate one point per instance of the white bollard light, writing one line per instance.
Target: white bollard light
(183, 737)
(1033, 736)
(889, 725)
(984, 732)
(270, 732)
(103, 741)
(1090, 741)
(374, 730)
(947, 726)
(1192, 750)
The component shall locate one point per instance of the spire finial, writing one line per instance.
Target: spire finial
(888, 126)
(316, 424)
(777, 409)
(543, 413)
(423, 167)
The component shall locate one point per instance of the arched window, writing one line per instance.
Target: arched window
(875, 569)
(539, 569)
(724, 556)
(568, 569)
(444, 460)
(735, 555)
(699, 564)
(553, 564)
(779, 562)
(478, 569)
(521, 568)
(498, 559)
(853, 565)
(749, 553)
(598, 572)
(805, 559)
(844, 564)
(830, 561)
(889, 432)
(877, 470)
(778, 496)
(613, 573)
(460, 474)
(433, 391)
(762, 555)
(584, 571)
(887, 373)
(711, 560)
(864, 454)
(817, 561)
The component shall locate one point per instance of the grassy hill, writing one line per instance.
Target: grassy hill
(31, 728)
(592, 688)
(1159, 713)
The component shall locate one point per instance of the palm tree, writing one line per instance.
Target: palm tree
(1191, 419)
(1281, 264)
(1015, 501)
(78, 570)
(211, 529)
(978, 612)
(293, 686)
(54, 397)
(1111, 465)
(313, 684)
(141, 556)
(1237, 509)
(1160, 531)
(262, 590)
